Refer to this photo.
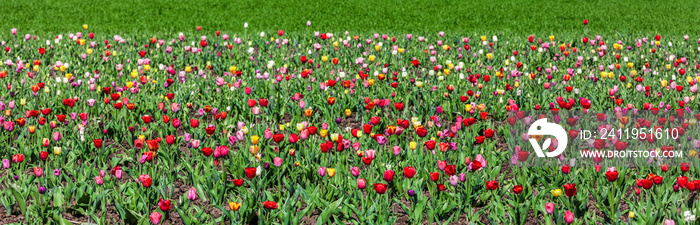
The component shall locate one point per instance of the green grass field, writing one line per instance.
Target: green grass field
(674, 17)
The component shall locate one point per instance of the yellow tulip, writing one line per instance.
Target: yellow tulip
(85, 26)
(658, 43)
(630, 65)
(377, 47)
(370, 82)
(323, 133)
(481, 107)
(89, 51)
(56, 150)
(134, 74)
(556, 192)
(419, 84)
(348, 112)
(281, 127)
(631, 215)
(35, 68)
(629, 85)
(234, 206)
(664, 83)
(483, 38)
(551, 37)
(142, 137)
(188, 69)
(689, 79)
(324, 58)
(8, 112)
(693, 122)
(129, 84)
(146, 68)
(232, 69)
(69, 76)
(445, 47)
(335, 44)
(517, 84)
(489, 56)
(633, 73)
(446, 71)
(692, 153)
(254, 139)
(23, 101)
(334, 137)
(412, 145)
(468, 107)
(245, 130)
(401, 50)
(63, 68)
(331, 172)
(371, 58)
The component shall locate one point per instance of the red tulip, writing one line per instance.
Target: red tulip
(207, 151)
(389, 175)
(611, 175)
(238, 182)
(164, 205)
(450, 170)
(488, 133)
(263, 102)
(278, 137)
(170, 139)
(146, 119)
(43, 155)
(380, 188)
(570, 189)
(517, 189)
(250, 172)
(98, 143)
(367, 160)
(270, 205)
(409, 172)
(210, 129)
(146, 180)
(434, 176)
(682, 181)
(194, 123)
(492, 185)
(430, 144)
(480, 139)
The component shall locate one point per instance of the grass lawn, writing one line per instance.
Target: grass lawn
(674, 17)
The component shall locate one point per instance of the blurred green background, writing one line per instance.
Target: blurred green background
(672, 17)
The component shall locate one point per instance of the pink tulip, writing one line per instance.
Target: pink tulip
(549, 207)
(396, 150)
(322, 171)
(192, 194)
(277, 161)
(355, 171)
(361, 183)
(155, 217)
(98, 180)
(569, 216)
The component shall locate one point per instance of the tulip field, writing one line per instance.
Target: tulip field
(313, 127)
